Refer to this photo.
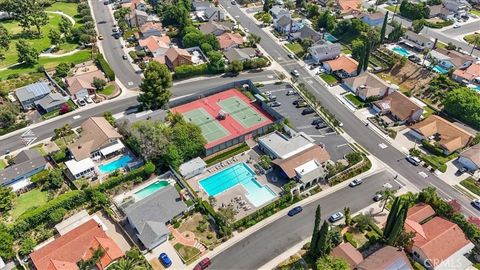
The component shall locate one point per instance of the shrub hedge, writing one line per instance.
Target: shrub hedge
(105, 67)
(349, 238)
(186, 71)
(227, 154)
(142, 172)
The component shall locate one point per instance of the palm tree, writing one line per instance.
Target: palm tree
(64, 131)
(476, 41)
(127, 264)
(387, 194)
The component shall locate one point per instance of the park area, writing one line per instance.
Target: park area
(33, 198)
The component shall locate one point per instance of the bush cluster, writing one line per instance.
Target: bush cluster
(105, 67)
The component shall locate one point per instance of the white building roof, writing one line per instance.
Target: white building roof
(191, 166)
(76, 167)
(112, 148)
(307, 167)
(284, 147)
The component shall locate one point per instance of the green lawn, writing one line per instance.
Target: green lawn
(189, 254)
(75, 58)
(108, 90)
(296, 48)
(355, 100)
(471, 185)
(436, 162)
(2, 164)
(471, 38)
(40, 150)
(329, 78)
(427, 111)
(67, 8)
(27, 200)
(475, 11)
(57, 112)
(24, 79)
(391, 8)
(40, 43)
(62, 143)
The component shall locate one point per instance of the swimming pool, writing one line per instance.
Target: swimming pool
(116, 164)
(440, 69)
(238, 174)
(401, 51)
(150, 189)
(329, 37)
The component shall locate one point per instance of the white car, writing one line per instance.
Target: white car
(476, 203)
(355, 182)
(455, 26)
(335, 217)
(295, 73)
(88, 99)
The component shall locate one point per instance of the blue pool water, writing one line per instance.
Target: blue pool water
(402, 51)
(440, 69)
(238, 174)
(329, 37)
(150, 189)
(116, 164)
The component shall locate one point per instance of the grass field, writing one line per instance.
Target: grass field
(108, 90)
(471, 38)
(27, 200)
(75, 58)
(355, 100)
(67, 8)
(189, 254)
(62, 142)
(328, 78)
(296, 48)
(24, 79)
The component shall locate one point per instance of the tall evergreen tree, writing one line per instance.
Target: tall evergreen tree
(316, 227)
(398, 225)
(323, 242)
(384, 28)
(367, 55)
(392, 216)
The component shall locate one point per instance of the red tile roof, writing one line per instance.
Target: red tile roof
(64, 252)
(349, 253)
(420, 212)
(229, 39)
(470, 73)
(343, 63)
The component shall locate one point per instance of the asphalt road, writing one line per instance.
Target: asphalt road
(275, 238)
(112, 49)
(45, 131)
(352, 125)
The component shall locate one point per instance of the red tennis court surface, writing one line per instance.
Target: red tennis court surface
(236, 106)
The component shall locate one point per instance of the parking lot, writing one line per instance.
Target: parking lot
(336, 145)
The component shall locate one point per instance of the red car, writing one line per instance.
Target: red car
(203, 264)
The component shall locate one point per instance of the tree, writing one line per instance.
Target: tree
(384, 27)
(188, 139)
(37, 15)
(8, 115)
(300, 3)
(26, 246)
(212, 200)
(326, 21)
(335, 237)
(227, 214)
(55, 37)
(253, 39)
(6, 245)
(26, 53)
(312, 10)
(155, 86)
(368, 46)
(54, 179)
(348, 216)
(323, 243)
(358, 49)
(266, 18)
(62, 70)
(267, 5)
(99, 83)
(216, 64)
(151, 139)
(464, 104)
(315, 233)
(110, 119)
(397, 32)
(127, 264)
(475, 43)
(332, 263)
(289, 4)
(97, 198)
(192, 39)
(4, 40)
(392, 215)
(414, 11)
(398, 226)
(386, 194)
(206, 48)
(417, 25)
(63, 132)
(7, 197)
(88, 264)
(235, 66)
(65, 26)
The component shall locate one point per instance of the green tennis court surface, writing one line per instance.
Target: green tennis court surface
(241, 112)
(211, 129)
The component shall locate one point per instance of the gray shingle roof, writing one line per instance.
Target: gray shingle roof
(26, 155)
(284, 21)
(327, 48)
(30, 162)
(50, 100)
(148, 214)
(192, 165)
(34, 90)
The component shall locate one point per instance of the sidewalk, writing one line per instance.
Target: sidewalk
(376, 167)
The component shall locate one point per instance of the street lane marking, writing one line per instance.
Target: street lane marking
(130, 83)
(423, 174)
(77, 117)
(383, 146)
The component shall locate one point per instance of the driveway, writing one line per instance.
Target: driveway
(152, 257)
(336, 145)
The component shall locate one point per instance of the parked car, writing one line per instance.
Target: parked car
(233, 2)
(291, 56)
(317, 121)
(114, 30)
(476, 203)
(414, 58)
(455, 26)
(355, 182)
(88, 99)
(308, 111)
(414, 160)
(100, 37)
(340, 124)
(165, 260)
(124, 57)
(295, 102)
(295, 73)
(81, 102)
(301, 104)
(321, 125)
(290, 92)
(377, 197)
(105, 3)
(272, 98)
(461, 171)
(203, 264)
(335, 217)
(275, 104)
(295, 211)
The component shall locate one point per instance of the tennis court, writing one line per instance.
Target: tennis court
(241, 112)
(211, 129)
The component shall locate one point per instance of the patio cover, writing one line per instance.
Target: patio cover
(112, 148)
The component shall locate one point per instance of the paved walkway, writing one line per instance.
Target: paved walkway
(186, 241)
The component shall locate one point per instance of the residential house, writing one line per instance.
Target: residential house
(151, 29)
(324, 51)
(211, 13)
(156, 45)
(242, 54)
(443, 61)
(84, 168)
(446, 135)
(228, 41)
(98, 139)
(349, 253)
(344, 66)
(216, 28)
(286, 25)
(470, 158)
(27, 95)
(399, 107)
(25, 164)
(438, 243)
(78, 244)
(80, 86)
(136, 4)
(306, 32)
(278, 11)
(368, 85)
(468, 75)
(348, 6)
(174, 57)
(460, 7)
(441, 12)
(296, 157)
(137, 18)
(192, 168)
(417, 41)
(149, 216)
(388, 257)
(201, 5)
(456, 59)
(50, 102)
(373, 19)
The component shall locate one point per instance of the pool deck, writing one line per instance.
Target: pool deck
(101, 162)
(228, 196)
(131, 193)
